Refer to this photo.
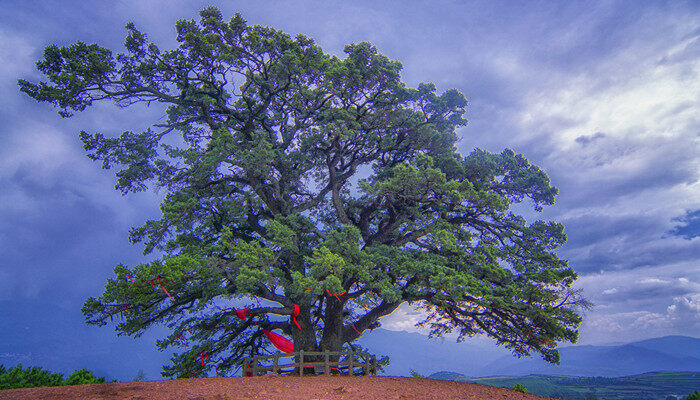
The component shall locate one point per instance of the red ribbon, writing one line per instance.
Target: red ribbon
(353, 327)
(202, 356)
(164, 289)
(130, 278)
(242, 314)
(295, 315)
(336, 295)
(280, 342)
(183, 340)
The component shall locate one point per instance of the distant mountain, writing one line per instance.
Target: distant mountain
(649, 386)
(675, 345)
(669, 353)
(478, 358)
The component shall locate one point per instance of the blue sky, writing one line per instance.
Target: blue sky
(604, 96)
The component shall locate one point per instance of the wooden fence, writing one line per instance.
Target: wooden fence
(342, 362)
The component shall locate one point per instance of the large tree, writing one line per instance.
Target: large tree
(321, 189)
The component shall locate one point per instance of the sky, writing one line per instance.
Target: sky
(603, 95)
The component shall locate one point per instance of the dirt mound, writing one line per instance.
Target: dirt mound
(274, 388)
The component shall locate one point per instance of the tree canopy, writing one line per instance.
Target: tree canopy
(322, 191)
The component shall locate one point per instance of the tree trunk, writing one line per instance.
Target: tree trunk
(333, 338)
(304, 339)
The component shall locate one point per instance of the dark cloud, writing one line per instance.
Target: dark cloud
(689, 226)
(627, 251)
(583, 140)
(601, 174)
(650, 291)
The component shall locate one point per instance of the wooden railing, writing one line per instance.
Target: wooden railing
(342, 362)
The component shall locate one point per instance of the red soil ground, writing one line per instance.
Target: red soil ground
(275, 388)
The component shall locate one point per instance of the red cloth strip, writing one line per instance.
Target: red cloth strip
(242, 314)
(164, 289)
(294, 316)
(280, 342)
(335, 295)
(353, 327)
(130, 278)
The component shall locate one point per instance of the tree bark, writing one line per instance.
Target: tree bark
(304, 338)
(333, 338)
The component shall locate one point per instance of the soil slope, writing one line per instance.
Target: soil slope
(274, 388)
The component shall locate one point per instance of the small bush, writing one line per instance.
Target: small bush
(17, 378)
(520, 388)
(82, 377)
(140, 376)
(694, 396)
(415, 374)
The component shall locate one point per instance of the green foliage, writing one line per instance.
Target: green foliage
(694, 396)
(82, 377)
(17, 377)
(520, 388)
(264, 140)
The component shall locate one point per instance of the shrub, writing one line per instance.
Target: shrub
(82, 377)
(415, 374)
(140, 376)
(17, 378)
(694, 396)
(520, 388)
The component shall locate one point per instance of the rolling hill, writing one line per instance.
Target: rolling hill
(661, 354)
(649, 386)
(479, 358)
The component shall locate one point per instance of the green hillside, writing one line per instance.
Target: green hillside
(649, 386)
